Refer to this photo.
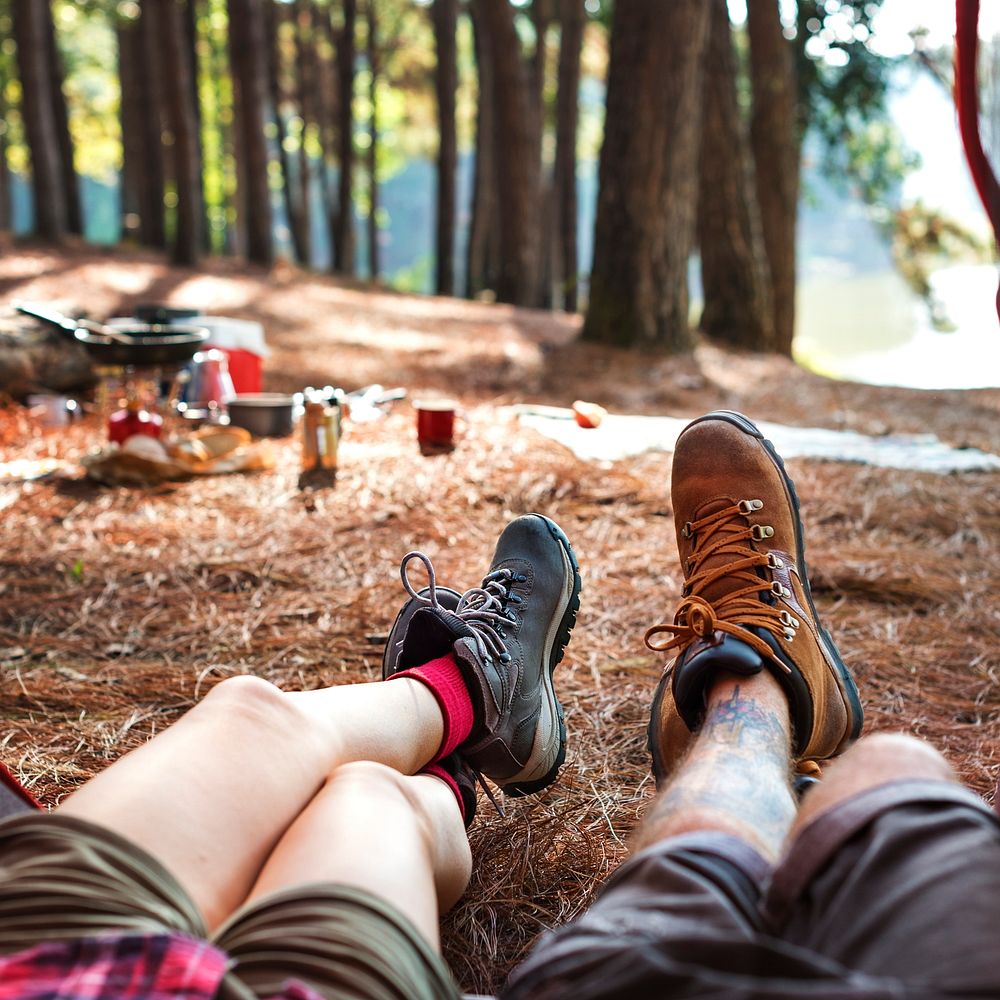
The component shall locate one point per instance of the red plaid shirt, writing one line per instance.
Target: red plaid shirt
(122, 967)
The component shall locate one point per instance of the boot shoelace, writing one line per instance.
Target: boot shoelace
(727, 532)
(483, 609)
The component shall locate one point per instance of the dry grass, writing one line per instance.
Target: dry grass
(119, 608)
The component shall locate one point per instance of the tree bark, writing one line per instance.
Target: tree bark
(290, 190)
(178, 85)
(774, 140)
(445, 18)
(41, 131)
(482, 251)
(343, 248)
(248, 55)
(191, 42)
(735, 274)
(67, 168)
(130, 118)
(648, 176)
(6, 209)
(541, 18)
(305, 90)
(517, 158)
(373, 71)
(330, 109)
(152, 224)
(564, 256)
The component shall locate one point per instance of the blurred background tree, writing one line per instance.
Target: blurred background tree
(464, 145)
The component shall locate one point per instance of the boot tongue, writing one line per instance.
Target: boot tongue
(701, 662)
(725, 585)
(431, 632)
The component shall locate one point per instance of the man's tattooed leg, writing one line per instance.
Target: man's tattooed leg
(736, 778)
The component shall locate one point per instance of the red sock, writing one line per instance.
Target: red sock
(447, 685)
(440, 772)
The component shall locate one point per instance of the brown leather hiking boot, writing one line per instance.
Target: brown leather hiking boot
(507, 636)
(745, 602)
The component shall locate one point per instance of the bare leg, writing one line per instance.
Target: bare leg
(401, 838)
(873, 761)
(735, 778)
(211, 796)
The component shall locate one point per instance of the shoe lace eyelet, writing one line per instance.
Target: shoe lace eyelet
(505, 657)
(749, 506)
(761, 531)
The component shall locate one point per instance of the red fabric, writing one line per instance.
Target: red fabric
(446, 683)
(440, 772)
(123, 967)
(245, 368)
(7, 779)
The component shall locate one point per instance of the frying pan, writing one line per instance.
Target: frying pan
(143, 345)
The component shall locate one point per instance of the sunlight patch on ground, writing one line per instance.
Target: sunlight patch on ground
(212, 294)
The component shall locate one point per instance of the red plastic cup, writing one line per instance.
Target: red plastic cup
(435, 423)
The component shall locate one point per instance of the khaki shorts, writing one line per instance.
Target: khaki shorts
(62, 878)
(892, 894)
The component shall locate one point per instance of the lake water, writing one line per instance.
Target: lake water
(872, 328)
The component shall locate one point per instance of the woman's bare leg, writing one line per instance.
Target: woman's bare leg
(211, 796)
(400, 838)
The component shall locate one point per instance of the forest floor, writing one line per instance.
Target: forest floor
(121, 607)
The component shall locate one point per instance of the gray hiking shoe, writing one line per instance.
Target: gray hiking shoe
(507, 635)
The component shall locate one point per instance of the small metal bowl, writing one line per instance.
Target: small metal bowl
(263, 414)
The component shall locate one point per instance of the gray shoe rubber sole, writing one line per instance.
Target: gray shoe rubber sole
(555, 653)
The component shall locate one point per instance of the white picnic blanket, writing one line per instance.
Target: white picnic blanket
(620, 436)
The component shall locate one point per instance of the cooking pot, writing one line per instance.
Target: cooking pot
(142, 345)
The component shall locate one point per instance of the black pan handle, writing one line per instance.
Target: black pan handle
(69, 326)
(49, 316)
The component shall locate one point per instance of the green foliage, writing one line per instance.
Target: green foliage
(843, 87)
(924, 239)
(86, 40)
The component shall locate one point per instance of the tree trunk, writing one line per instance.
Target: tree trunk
(67, 168)
(734, 270)
(290, 190)
(152, 224)
(305, 90)
(130, 118)
(5, 196)
(774, 140)
(564, 256)
(482, 251)
(541, 18)
(343, 248)
(445, 17)
(517, 158)
(40, 126)
(648, 176)
(373, 70)
(178, 86)
(191, 42)
(248, 55)
(330, 110)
